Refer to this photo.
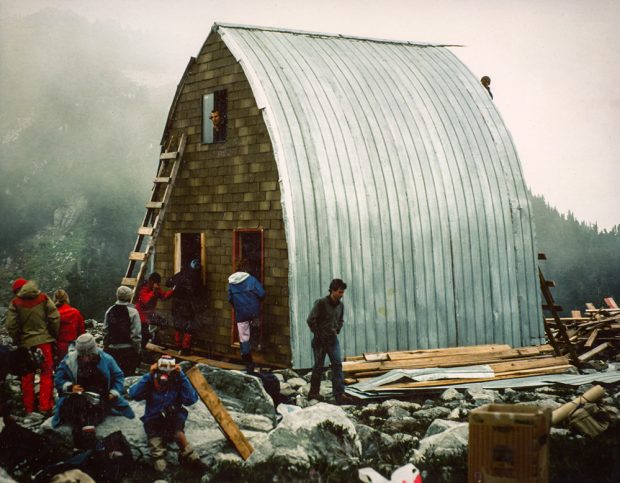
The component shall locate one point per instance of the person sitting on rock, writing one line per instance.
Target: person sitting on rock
(90, 385)
(166, 389)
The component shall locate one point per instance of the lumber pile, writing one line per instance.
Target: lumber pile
(595, 334)
(501, 356)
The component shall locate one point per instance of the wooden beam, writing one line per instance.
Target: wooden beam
(194, 358)
(145, 230)
(217, 409)
(169, 155)
(591, 339)
(154, 205)
(590, 354)
(130, 282)
(137, 256)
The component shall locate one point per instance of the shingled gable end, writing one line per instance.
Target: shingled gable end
(382, 163)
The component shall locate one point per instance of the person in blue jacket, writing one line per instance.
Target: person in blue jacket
(90, 385)
(245, 294)
(166, 389)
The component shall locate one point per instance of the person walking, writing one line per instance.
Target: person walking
(187, 285)
(33, 322)
(245, 294)
(166, 389)
(71, 324)
(122, 332)
(325, 322)
(148, 295)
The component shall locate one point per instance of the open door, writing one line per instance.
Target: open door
(187, 247)
(248, 244)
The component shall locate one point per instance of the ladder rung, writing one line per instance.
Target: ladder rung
(170, 155)
(137, 256)
(131, 282)
(154, 205)
(162, 179)
(145, 230)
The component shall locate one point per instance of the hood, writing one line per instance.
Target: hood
(30, 290)
(238, 277)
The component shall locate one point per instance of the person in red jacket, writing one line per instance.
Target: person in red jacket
(148, 295)
(71, 324)
(32, 322)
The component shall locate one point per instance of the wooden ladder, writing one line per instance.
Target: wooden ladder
(562, 344)
(169, 164)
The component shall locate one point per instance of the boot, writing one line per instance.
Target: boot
(249, 362)
(157, 450)
(189, 457)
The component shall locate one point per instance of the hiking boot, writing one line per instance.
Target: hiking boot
(160, 465)
(344, 400)
(316, 396)
(189, 457)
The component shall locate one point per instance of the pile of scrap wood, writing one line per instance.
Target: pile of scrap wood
(596, 333)
(501, 361)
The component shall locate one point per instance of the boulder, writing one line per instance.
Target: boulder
(439, 426)
(448, 443)
(320, 433)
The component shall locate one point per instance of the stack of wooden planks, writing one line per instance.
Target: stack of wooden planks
(503, 360)
(596, 333)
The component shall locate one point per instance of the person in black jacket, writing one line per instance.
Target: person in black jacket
(122, 333)
(187, 285)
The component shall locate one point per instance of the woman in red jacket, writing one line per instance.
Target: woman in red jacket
(71, 324)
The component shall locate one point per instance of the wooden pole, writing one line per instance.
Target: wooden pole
(217, 409)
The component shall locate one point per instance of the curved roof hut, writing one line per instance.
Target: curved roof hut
(380, 162)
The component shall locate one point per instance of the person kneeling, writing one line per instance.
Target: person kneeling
(89, 383)
(166, 390)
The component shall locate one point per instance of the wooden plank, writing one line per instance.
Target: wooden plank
(576, 314)
(590, 354)
(145, 230)
(519, 365)
(611, 303)
(591, 339)
(130, 282)
(194, 358)
(376, 357)
(162, 179)
(137, 256)
(170, 155)
(217, 409)
(154, 205)
(449, 352)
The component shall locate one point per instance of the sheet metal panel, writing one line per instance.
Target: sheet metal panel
(397, 175)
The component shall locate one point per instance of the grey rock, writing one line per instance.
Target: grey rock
(287, 390)
(451, 394)
(427, 416)
(296, 382)
(373, 441)
(450, 442)
(483, 396)
(439, 426)
(395, 403)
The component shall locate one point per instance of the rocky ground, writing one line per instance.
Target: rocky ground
(319, 441)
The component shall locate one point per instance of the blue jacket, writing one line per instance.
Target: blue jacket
(245, 294)
(179, 392)
(66, 376)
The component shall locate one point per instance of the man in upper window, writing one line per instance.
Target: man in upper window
(325, 322)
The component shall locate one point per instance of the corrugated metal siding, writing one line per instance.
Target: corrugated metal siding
(399, 176)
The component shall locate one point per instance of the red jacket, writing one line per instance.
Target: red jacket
(71, 323)
(147, 301)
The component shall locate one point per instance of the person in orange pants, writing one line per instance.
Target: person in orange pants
(33, 323)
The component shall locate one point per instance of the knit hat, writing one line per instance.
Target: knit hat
(18, 284)
(60, 297)
(85, 344)
(123, 294)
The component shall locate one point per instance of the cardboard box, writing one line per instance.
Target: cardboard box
(508, 443)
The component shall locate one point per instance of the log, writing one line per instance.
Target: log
(592, 395)
(590, 354)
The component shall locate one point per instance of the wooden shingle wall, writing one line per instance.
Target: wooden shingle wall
(222, 187)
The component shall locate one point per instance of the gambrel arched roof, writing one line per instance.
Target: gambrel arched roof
(398, 175)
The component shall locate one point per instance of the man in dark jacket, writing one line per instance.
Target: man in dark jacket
(148, 295)
(122, 333)
(245, 294)
(166, 390)
(33, 323)
(325, 322)
(187, 285)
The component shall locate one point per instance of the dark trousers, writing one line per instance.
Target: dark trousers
(330, 348)
(126, 358)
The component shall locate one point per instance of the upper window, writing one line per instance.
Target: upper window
(214, 117)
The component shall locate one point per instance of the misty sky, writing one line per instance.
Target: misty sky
(553, 65)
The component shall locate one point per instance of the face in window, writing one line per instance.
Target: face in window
(216, 120)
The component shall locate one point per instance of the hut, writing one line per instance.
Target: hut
(384, 163)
